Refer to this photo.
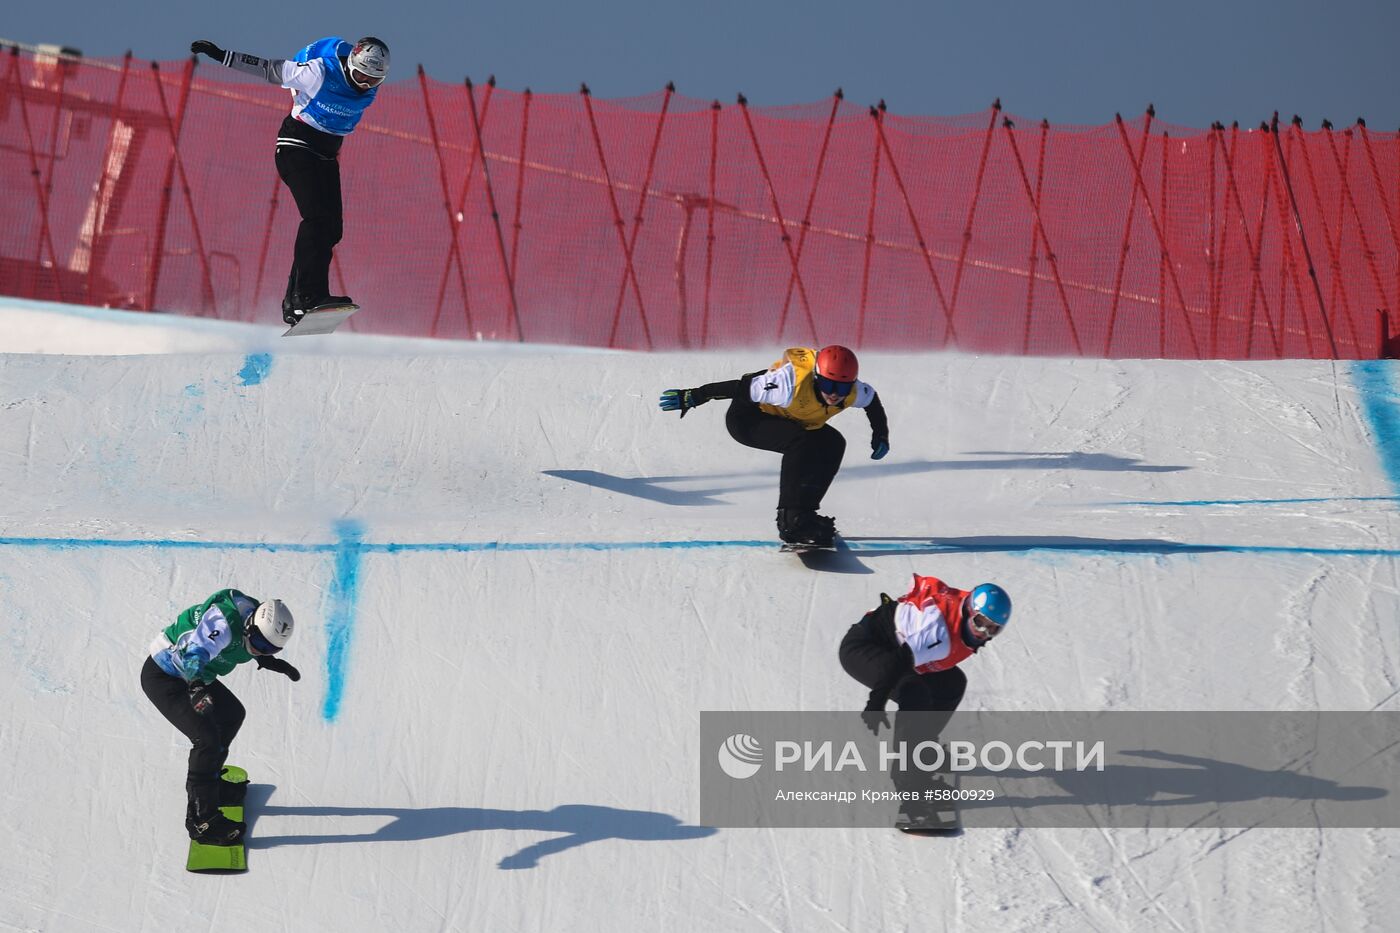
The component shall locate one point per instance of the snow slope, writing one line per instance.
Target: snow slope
(517, 583)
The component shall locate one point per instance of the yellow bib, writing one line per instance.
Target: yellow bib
(806, 406)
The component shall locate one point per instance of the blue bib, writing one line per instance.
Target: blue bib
(338, 105)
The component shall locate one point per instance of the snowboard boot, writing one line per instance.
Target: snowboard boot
(216, 830)
(294, 308)
(203, 821)
(805, 526)
(232, 793)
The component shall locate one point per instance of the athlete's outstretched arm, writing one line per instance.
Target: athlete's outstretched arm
(879, 428)
(272, 70)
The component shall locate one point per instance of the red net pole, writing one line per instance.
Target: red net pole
(58, 112)
(173, 124)
(618, 222)
(107, 184)
(515, 225)
(641, 208)
(1044, 238)
(1127, 235)
(1289, 269)
(469, 174)
(208, 278)
(778, 213)
(1256, 250)
(495, 214)
(1332, 247)
(688, 203)
(1035, 242)
(45, 232)
(710, 223)
(811, 201)
(1161, 237)
(266, 240)
(1162, 259)
(972, 213)
(455, 246)
(914, 222)
(869, 228)
(1385, 201)
(1344, 174)
(1212, 270)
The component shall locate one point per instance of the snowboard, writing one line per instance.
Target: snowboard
(800, 548)
(933, 818)
(323, 319)
(211, 859)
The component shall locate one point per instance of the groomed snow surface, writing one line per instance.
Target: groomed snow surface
(506, 738)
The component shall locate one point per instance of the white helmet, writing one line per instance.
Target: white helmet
(370, 57)
(270, 627)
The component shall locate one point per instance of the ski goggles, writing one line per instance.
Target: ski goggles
(983, 628)
(259, 643)
(830, 387)
(363, 80)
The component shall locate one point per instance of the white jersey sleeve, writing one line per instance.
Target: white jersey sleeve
(925, 632)
(775, 387)
(865, 394)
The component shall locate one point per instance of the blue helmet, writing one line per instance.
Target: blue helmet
(991, 602)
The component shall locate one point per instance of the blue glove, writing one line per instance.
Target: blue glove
(681, 400)
(191, 660)
(879, 446)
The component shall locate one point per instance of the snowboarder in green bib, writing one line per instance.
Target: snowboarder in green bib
(180, 677)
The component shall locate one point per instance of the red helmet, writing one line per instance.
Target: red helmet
(837, 364)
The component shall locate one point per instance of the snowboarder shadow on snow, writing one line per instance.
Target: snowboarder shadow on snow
(576, 824)
(656, 488)
(1218, 793)
(850, 551)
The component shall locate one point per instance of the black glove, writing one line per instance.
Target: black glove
(205, 47)
(879, 446)
(681, 400)
(874, 719)
(277, 664)
(200, 697)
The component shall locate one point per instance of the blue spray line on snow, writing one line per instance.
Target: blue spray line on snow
(344, 596)
(255, 368)
(1200, 502)
(1381, 404)
(348, 553)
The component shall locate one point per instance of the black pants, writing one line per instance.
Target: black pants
(210, 733)
(315, 184)
(870, 654)
(810, 458)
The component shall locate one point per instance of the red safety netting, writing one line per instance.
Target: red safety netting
(665, 222)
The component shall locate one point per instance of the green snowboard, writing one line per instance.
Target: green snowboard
(221, 858)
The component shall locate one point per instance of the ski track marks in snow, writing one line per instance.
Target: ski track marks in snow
(477, 634)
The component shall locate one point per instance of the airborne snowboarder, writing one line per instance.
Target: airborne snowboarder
(332, 82)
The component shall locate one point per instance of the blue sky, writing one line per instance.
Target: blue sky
(1073, 61)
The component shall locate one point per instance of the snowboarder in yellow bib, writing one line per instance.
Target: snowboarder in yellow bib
(786, 409)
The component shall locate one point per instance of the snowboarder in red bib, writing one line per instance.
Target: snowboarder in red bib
(180, 677)
(332, 82)
(908, 650)
(786, 409)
